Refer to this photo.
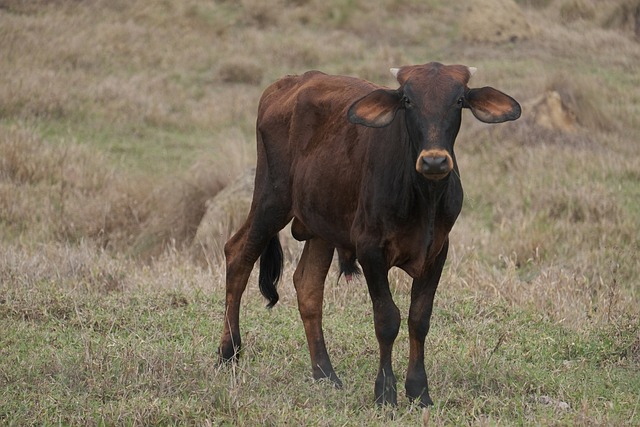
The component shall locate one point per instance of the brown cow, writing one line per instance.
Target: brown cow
(367, 171)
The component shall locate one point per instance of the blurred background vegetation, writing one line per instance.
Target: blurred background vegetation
(121, 121)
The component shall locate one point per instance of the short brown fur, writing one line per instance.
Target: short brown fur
(339, 156)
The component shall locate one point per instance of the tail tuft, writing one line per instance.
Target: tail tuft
(348, 266)
(271, 265)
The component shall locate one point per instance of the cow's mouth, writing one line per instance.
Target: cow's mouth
(435, 176)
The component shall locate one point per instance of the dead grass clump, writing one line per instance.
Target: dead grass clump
(36, 94)
(177, 208)
(551, 112)
(65, 192)
(573, 10)
(494, 21)
(537, 4)
(579, 97)
(262, 14)
(625, 16)
(24, 159)
(35, 183)
(225, 213)
(111, 215)
(82, 267)
(241, 71)
(588, 205)
(569, 111)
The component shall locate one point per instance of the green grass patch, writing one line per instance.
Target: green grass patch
(150, 358)
(144, 148)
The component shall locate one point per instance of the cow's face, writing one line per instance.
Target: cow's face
(433, 96)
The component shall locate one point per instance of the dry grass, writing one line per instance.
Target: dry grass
(120, 120)
(67, 193)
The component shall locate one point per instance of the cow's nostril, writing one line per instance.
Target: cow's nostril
(435, 164)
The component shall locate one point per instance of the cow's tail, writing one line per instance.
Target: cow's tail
(271, 265)
(348, 267)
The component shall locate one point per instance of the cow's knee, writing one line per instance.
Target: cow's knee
(387, 321)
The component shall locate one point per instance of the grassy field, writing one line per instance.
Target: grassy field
(120, 119)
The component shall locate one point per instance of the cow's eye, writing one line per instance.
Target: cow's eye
(461, 102)
(407, 101)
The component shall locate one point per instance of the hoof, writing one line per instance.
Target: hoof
(418, 392)
(422, 400)
(228, 354)
(332, 377)
(385, 389)
(386, 394)
(336, 381)
(387, 399)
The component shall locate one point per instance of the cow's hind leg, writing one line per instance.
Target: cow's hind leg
(241, 254)
(270, 212)
(256, 237)
(309, 279)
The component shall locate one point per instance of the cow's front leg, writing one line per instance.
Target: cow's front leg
(386, 317)
(423, 291)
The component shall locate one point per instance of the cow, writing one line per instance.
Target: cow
(368, 172)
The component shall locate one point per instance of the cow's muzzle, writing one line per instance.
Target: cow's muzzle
(434, 164)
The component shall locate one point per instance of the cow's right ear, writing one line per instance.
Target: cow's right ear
(377, 109)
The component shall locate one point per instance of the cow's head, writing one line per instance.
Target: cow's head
(433, 96)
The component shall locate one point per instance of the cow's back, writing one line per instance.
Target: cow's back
(306, 136)
(313, 93)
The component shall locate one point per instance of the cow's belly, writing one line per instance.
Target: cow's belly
(314, 221)
(324, 198)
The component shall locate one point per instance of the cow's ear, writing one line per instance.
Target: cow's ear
(492, 106)
(377, 109)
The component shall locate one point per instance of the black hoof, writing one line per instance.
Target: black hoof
(332, 377)
(228, 355)
(385, 390)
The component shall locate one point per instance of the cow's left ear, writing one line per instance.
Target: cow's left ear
(377, 109)
(492, 106)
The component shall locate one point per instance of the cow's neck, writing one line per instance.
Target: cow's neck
(415, 214)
